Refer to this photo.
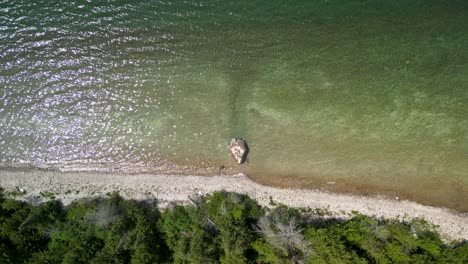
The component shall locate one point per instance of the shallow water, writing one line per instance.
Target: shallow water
(368, 96)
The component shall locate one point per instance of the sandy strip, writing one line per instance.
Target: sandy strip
(174, 188)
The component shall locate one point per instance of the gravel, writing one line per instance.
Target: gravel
(38, 186)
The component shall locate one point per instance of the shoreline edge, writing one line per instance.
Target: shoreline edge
(37, 186)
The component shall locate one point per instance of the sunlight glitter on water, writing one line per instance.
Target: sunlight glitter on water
(317, 91)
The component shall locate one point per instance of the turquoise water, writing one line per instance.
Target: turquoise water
(368, 96)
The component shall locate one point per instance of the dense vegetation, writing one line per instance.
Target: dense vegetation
(219, 228)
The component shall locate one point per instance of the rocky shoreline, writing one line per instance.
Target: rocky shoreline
(38, 186)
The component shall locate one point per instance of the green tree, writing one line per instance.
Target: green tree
(190, 235)
(110, 230)
(455, 255)
(234, 215)
(222, 227)
(20, 239)
(329, 247)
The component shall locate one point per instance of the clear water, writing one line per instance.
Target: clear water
(363, 96)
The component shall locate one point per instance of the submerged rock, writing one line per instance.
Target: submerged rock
(238, 149)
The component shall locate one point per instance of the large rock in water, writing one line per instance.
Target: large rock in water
(238, 149)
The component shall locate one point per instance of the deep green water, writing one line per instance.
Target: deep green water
(370, 94)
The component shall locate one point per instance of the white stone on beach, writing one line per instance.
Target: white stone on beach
(238, 149)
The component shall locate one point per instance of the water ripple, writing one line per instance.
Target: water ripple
(76, 79)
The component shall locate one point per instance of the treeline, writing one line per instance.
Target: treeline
(219, 228)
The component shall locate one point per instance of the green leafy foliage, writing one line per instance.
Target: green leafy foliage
(110, 230)
(19, 235)
(455, 255)
(234, 216)
(186, 237)
(220, 228)
(267, 253)
(329, 247)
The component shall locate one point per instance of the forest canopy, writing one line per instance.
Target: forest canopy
(223, 227)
